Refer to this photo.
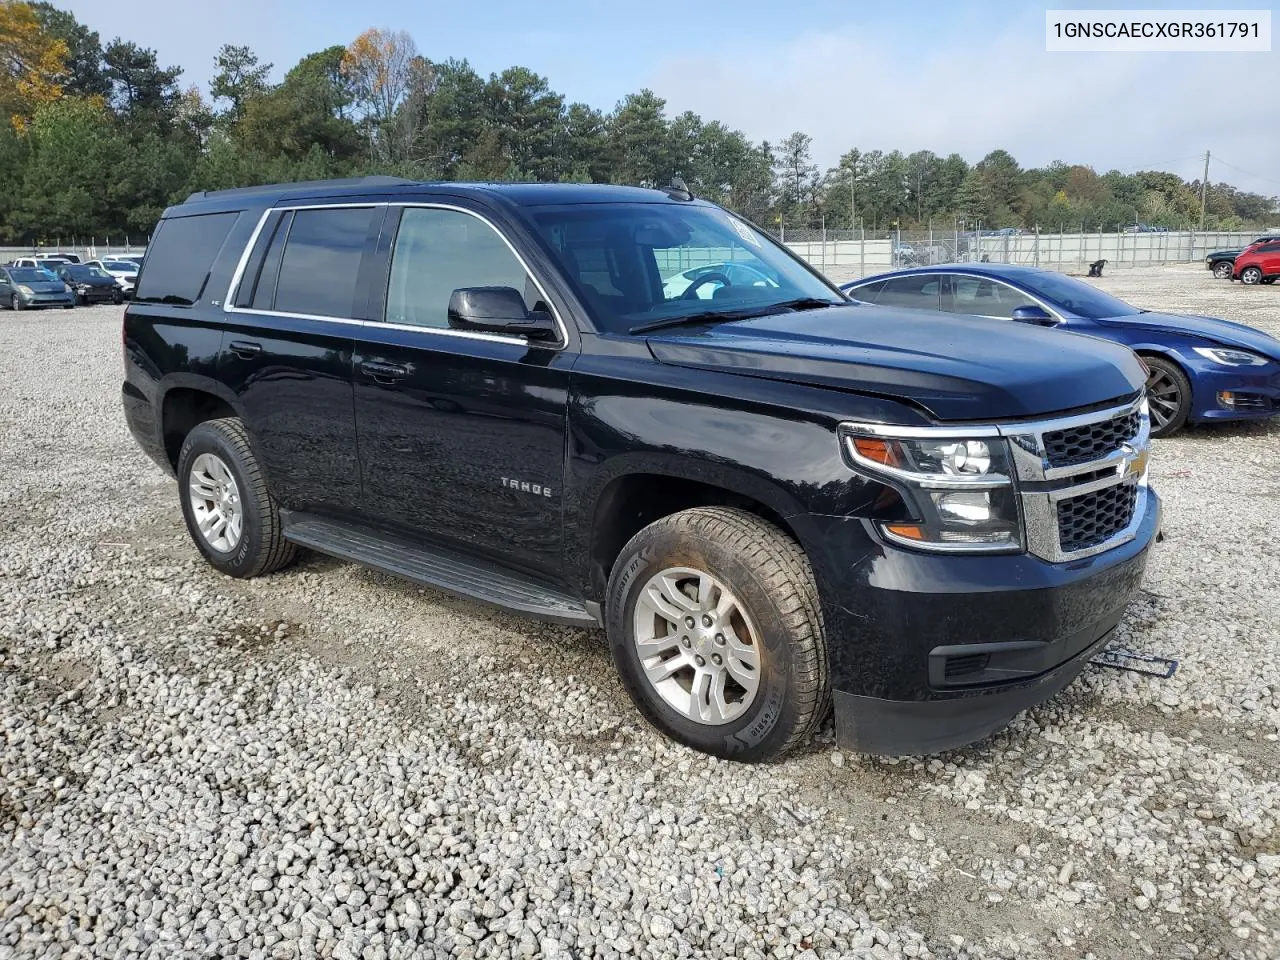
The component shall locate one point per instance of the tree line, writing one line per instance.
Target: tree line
(101, 138)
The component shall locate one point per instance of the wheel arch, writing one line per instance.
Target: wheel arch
(633, 498)
(186, 402)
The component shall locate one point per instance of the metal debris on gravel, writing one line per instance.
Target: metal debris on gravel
(331, 763)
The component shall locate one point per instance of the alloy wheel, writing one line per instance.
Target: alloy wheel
(1250, 275)
(697, 647)
(1222, 270)
(1164, 398)
(215, 502)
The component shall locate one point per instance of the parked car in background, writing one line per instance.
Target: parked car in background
(125, 273)
(1221, 262)
(91, 284)
(703, 282)
(69, 257)
(23, 288)
(1202, 368)
(1260, 263)
(46, 263)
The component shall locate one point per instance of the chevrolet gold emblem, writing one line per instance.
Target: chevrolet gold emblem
(1137, 464)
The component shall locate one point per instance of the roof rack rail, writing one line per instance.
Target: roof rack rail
(370, 181)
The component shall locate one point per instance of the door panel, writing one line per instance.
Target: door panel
(292, 373)
(462, 437)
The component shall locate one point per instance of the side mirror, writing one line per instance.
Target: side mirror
(1034, 314)
(498, 310)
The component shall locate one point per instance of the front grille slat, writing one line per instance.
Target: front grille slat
(1089, 442)
(1094, 518)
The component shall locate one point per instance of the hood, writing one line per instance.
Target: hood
(1219, 331)
(44, 286)
(954, 367)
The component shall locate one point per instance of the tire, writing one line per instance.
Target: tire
(117, 297)
(260, 546)
(775, 620)
(16, 302)
(1269, 279)
(81, 300)
(1169, 396)
(1251, 275)
(1222, 269)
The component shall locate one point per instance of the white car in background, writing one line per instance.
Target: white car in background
(125, 273)
(710, 277)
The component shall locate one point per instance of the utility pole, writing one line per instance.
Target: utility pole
(1204, 189)
(853, 209)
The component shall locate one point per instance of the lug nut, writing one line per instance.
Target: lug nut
(684, 641)
(706, 620)
(720, 639)
(699, 661)
(688, 622)
(717, 659)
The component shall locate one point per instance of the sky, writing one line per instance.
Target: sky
(962, 76)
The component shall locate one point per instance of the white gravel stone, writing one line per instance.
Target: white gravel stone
(328, 762)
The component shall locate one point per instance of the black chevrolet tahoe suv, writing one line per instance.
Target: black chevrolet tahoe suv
(627, 408)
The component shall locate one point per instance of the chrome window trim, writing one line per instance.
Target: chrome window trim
(228, 305)
(1052, 311)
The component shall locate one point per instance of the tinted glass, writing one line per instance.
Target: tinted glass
(917, 292)
(258, 287)
(321, 261)
(439, 251)
(1268, 248)
(1076, 296)
(29, 275)
(181, 255)
(984, 297)
(637, 263)
(868, 292)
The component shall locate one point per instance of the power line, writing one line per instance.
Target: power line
(1247, 172)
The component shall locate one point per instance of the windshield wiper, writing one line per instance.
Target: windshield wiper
(710, 316)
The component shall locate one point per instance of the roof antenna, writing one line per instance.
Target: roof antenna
(678, 190)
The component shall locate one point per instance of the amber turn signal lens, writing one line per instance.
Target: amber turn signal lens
(908, 531)
(877, 451)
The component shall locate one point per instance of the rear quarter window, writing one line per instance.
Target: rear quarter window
(180, 256)
(868, 292)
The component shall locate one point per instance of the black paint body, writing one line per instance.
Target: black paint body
(748, 408)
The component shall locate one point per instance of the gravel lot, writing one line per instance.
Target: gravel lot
(328, 762)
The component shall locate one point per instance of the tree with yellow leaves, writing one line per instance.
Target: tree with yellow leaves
(32, 63)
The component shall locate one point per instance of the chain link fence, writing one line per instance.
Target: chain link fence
(850, 254)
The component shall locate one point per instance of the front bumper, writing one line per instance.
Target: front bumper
(35, 301)
(930, 652)
(1255, 391)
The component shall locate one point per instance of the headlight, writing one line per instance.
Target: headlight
(958, 488)
(1232, 358)
(25, 290)
(85, 288)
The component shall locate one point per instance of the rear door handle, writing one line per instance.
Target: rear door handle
(245, 349)
(383, 372)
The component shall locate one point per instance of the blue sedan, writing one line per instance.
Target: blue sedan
(1202, 368)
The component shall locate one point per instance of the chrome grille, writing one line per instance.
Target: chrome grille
(1082, 480)
(1090, 441)
(1093, 518)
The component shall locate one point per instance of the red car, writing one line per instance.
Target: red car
(1259, 263)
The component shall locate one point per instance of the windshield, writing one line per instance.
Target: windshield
(30, 275)
(121, 265)
(80, 272)
(641, 263)
(1077, 296)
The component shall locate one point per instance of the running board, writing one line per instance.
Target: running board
(437, 567)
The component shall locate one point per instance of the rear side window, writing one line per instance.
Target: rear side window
(917, 291)
(1268, 248)
(321, 262)
(867, 293)
(180, 256)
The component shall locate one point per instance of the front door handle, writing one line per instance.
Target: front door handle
(382, 372)
(245, 348)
